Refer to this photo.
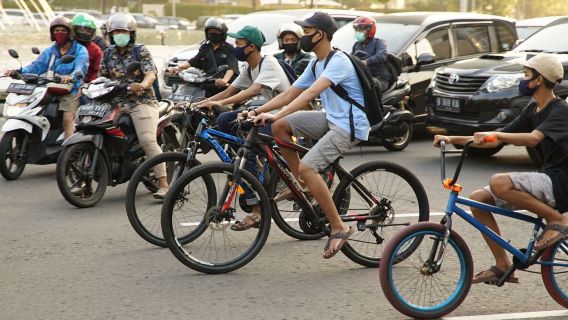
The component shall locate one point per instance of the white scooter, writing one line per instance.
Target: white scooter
(33, 133)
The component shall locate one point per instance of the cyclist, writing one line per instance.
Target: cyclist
(543, 124)
(215, 52)
(333, 128)
(289, 37)
(250, 83)
(61, 32)
(141, 104)
(375, 50)
(84, 29)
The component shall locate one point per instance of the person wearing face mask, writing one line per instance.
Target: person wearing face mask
(332, 128)
(543, 124)
(215, 52)
(259, 76)
(49, 62)
(84, 29)
(375, 50)
(289, 37)
(140, 102)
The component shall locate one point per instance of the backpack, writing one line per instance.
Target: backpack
(136, 53)
(288, 70)
(394, 66)
(371, 90)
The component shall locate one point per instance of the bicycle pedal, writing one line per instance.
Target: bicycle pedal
(361, 225)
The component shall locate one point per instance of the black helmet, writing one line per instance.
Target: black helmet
(216, 23)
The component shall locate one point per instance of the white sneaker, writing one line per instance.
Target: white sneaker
(160, 194)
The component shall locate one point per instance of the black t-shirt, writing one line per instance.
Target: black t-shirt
(552, 121)
(209, 59)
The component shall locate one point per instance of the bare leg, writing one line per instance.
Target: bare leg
(281, 130)
(68, 124)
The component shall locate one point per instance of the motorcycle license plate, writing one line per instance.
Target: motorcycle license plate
(97, 110)
(180, 98)
(21, 88)
(448, 104)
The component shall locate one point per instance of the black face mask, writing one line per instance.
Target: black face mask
(216, 37)
(290, 48)
(306, 43)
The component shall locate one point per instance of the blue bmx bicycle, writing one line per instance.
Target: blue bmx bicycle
(434, 278)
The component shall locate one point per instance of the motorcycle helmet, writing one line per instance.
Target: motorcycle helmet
(85, 22)
(216, 23)
(121, 21)
(366, 23)
(289, 28)
(60, 21)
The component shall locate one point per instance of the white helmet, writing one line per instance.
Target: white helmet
(289, 28)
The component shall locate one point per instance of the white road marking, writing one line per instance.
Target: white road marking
(507, 316)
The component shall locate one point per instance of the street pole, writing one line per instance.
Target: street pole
(463, 5)
(174, 8)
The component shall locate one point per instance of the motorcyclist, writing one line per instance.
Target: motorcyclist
(49, 61)
(84, 29)
(289, 37)
(375, 50)
(214, 52)
(141, 102)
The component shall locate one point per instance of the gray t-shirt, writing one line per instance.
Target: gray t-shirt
(271, 77)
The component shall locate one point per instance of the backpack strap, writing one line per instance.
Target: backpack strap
(329, 56)
(249, 69)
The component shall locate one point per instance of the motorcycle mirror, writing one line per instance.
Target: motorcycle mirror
(14, 54)
(222, 68)
(67, 59)
(133, 67)
(174, 60)
(35, 50)
(78, 75)
(360, 54)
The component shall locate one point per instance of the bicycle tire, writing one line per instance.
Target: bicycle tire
(153, 233)
(549, 276)
(187, 257)
(343, 196)
(425, 230)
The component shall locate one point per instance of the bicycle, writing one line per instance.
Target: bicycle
(423, 288)
(221, 250)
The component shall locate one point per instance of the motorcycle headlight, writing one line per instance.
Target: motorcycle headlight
(501, 82)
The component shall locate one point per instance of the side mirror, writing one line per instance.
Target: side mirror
(35, 50)
(132, 67)
(174, 60)
(78, 75)
(67, 59)
(14, 54)
(518, 42)
(424, 59)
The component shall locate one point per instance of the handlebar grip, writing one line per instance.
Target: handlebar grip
(490, 139)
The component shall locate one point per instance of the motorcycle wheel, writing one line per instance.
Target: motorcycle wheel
(11, 167)
(73, 180)
(401, 142)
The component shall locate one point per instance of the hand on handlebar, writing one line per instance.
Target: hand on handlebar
(221, 83)
(208, 104)
(11, 73)
(263, 118)
(66, 79)
(480, 138)
(137, 88)
(439, 138)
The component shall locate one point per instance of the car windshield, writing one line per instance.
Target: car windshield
(267, 23)
(546, 40)
(395, 35)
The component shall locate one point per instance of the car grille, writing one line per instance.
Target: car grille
(465, 84)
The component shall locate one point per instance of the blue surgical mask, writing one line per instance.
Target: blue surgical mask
(360, 36)
(121, 40)
(524, 88)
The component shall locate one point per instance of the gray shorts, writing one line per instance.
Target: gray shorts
(536, 184)
(333, 141)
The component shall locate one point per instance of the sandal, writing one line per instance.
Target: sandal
(344, 236)
(492, 276)
(247, 223)
(562, 234)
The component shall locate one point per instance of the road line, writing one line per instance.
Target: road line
(508, 316)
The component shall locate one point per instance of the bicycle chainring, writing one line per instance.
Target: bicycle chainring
(307, 225)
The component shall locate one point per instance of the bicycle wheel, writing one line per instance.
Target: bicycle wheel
(417, 286)
(142, 209)
(213, 247)
(404, 201)
(555, 278)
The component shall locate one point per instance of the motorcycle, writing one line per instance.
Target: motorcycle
(104, 149)
(34, 129)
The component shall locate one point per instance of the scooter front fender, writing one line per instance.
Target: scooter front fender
(17, 124)
(78, 137)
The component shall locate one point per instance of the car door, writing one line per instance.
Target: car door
(435, 41)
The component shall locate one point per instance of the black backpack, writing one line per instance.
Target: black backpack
(136, 53)
(373, 106)
(288, 70)
(394, 66)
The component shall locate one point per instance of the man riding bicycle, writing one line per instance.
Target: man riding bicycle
(543, 124)
(332, 127)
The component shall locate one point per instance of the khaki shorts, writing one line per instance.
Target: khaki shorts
(536, 184)
(68, 103)
(333, 141)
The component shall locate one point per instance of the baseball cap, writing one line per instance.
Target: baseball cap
(320, 20)
(548, 65)
(251, 34)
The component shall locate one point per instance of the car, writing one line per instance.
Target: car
(67, 14)
(173, 23)
(144, 21)
(13, 17)
(525, 28)
(482, 94)
(425, 41)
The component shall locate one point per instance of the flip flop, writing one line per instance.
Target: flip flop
(492, 276)
(344, 236)
(245, 224)
(562, 234)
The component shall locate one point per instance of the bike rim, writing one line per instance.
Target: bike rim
(77, 178)
(559, 274)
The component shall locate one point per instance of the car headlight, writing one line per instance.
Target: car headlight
(501, 82)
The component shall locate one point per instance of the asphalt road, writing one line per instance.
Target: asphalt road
(59, 262)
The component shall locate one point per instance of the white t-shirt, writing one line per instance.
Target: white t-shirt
(270, 76)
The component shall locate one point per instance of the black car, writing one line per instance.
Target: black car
(428, 40)
(482, 94)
